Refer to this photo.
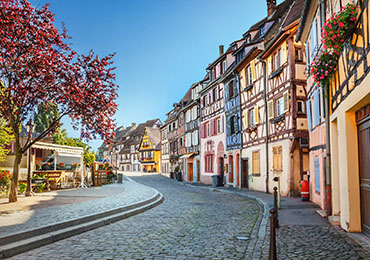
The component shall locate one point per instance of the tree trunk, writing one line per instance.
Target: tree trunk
(17, 161)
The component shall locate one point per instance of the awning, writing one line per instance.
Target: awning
(186, 155)
(59, 148)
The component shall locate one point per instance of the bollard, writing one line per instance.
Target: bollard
(276, 208)
(272, 251)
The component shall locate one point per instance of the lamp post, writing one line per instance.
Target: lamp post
(29, 126)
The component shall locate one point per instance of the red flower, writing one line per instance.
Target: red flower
(341, 24)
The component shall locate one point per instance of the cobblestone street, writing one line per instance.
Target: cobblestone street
(196, 223)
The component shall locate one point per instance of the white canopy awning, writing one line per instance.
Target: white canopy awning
(63, 150)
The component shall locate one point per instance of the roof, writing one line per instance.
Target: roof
(304, 15)
(134, 137)
(154, 135)
(294, 13)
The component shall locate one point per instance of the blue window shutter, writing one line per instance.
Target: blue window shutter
(316, 108)
(317, 174)
(309, 119)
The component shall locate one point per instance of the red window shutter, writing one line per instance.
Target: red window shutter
(222, 123)
(201, 101)
(212, 127)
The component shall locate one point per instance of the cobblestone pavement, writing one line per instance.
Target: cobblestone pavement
(196, 223)
(124, 194)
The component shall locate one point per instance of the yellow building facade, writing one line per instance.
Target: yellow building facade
(150, 150)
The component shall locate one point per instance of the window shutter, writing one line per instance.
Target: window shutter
(222, 123)
(245, 72)
(316, 106)
(309, 118)
(253, 68)
(201, 102)
(283, 54)
(256, 117)
(246, 119)
(269, 68)
(202, 130)
(270, 107)
(212, 126)
(236, 123)
(286, 101)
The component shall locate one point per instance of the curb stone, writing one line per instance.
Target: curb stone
(24, 241)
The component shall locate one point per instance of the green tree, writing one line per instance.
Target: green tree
(5, 138)
(60, 137)
(46, 114)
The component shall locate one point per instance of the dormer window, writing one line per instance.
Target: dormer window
(249, 38)
(262, 30)
(224, 66)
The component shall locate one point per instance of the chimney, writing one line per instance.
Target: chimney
(221, 48)
(133, 124)
(271, 7)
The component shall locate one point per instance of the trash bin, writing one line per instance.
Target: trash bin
(172, 175)
(220, 180)
(120, 178)
(214, 180)
(178, 176)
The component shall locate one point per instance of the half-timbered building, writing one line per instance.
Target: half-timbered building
(349, 120)
(192, 135)
(270, 77)
(232, 117)
(213, 122)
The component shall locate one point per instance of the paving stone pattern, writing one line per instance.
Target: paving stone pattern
(131, 192)
(196, 223)
(191, 223)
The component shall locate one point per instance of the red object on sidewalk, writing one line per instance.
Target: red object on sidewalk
(304, 190)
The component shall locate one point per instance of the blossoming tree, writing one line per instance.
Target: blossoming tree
(37, 65)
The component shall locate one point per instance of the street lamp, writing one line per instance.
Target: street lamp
(30, 127)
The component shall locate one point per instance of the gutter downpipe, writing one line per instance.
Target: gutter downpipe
(236, 76)
(327, 155)
(322, 4)
(266, 122)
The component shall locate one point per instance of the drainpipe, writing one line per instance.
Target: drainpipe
(266, 122)
(240, 129)
(327, 154)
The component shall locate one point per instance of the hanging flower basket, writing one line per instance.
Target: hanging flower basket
(334, 33)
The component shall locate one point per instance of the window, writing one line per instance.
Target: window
(262, 30)
(223, 66)
(207, 129)
(280, 106)
(231, 89)
(180, 142)
(208, 159)
(232, 125)
(277, 157)
(276, 61)
(214, 94)
(300, 106)
(249, 76)
(218, 122)
(298, 54)
(251, 121)
(256, 163)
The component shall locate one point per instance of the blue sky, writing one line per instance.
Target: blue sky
(161, 46)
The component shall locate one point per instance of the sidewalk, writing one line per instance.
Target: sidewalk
(51, 216)
(297, 219)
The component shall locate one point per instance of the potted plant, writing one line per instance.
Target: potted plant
(61, 166)
(46, 166)
(74, 166)
(5, 177)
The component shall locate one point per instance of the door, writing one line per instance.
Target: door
(190, 172)
(244, 176)
(221, 169)
(364, 160)
(231, 169)
(198, 170)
